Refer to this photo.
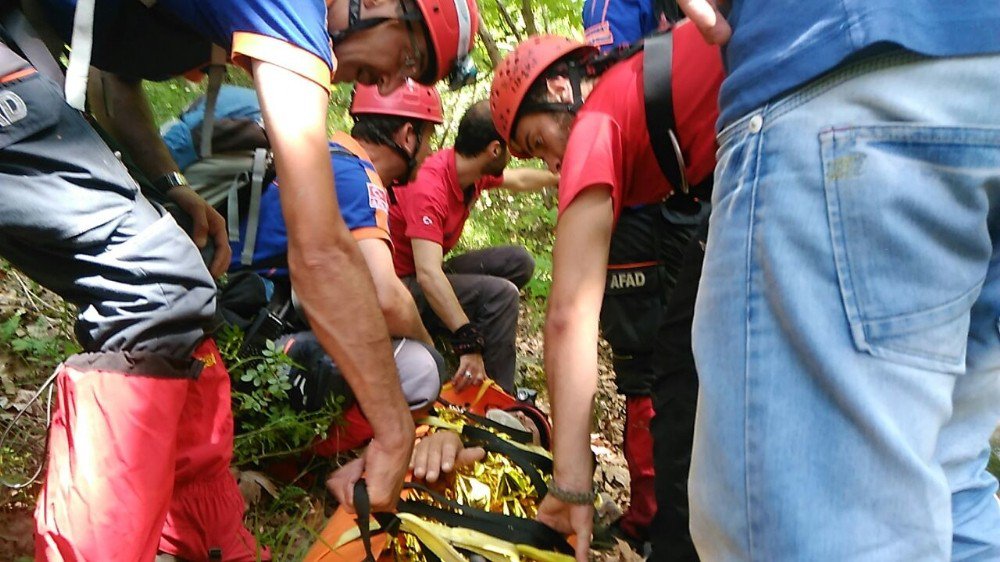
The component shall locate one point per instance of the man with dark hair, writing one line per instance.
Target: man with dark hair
(472, 297)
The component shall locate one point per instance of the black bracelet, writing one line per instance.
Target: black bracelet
(169, 180)
(573, 498)
(467, 339)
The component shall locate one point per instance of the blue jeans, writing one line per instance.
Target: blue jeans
(846, 330)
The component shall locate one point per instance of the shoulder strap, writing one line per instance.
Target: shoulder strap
(657, 69)
(253, 216)
(20, 29)
(81, 46)
(216, 72)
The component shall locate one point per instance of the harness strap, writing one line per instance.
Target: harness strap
(657, 72)
(253, 216)
(233, 205)
(32, 46)
(216, 72)
(81, 46)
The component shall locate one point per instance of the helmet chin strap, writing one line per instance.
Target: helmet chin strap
(410, 158)
(356, 24)
(575, 73)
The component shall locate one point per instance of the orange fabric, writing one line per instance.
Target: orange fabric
(367, 232)
(341, 522)
(206, 509)
(248, 46)
(137, 464)
(478, 399)
(381, 228)
(110, 466)
(17, 74)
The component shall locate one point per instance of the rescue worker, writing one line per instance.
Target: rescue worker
(642, 267)
(132, 408)
(390, 138)
(585, 117)
(855, 267)
(472, 297)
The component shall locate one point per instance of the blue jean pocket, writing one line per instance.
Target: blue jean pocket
(907, 208)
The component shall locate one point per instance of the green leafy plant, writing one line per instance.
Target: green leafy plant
(267, 426)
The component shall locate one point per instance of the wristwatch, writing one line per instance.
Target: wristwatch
(169, 180)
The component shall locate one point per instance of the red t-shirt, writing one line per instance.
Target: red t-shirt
(432, 207)
(609, 143)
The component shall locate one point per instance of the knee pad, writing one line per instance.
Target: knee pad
(421, 370)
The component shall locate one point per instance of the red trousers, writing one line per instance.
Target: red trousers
(638, 445)
(139, 464)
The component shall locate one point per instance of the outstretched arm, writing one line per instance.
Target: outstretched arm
(330, 275)
(523, 180)
(580, 258)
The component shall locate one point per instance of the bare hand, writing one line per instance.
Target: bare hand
(206, 222)
(706, 15)
(471, 371)
(341, 482)
(441, 452)
(569, 519)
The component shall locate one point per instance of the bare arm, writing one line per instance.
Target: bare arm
(428, 257)
(706, 15)
(398, 308)
(122, 108)
(571, 331)
(522, 180)
(329, 273)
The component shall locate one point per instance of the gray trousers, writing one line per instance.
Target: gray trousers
(74, 221)
(487, 283)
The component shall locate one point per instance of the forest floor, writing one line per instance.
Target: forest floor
(35, 333)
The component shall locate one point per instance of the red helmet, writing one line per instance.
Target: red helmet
(451, 26)
(411, 100)
(519, 70)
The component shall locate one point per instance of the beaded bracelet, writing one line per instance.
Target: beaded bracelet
(574, 498)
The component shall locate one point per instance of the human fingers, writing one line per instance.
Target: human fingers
(582, 521)
(706, 16)
(419, 462)
(469, 455)
(434, 459)
(220, 237)
(341, 482)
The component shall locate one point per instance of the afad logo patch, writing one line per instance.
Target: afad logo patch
(378, 197)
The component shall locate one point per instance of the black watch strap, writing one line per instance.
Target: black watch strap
(169, 180)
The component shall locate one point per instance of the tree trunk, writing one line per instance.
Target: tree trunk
(489, 42)
(509, 22)
(529, 17)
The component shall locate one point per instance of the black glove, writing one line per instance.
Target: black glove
(467, 339)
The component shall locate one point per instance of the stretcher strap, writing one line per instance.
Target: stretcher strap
(508, 528)
(532, 464)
